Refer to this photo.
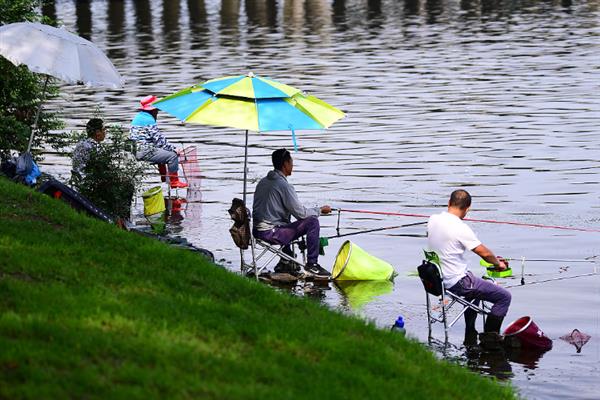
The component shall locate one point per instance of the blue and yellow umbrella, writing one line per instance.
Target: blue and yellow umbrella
(251, 103)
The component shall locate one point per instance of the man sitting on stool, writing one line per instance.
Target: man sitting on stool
(152, 144)
(450, 237)
(275, 200)
(96, 132)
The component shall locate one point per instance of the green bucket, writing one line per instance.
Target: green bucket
(354, 264)
(493, 272)
(154, 201)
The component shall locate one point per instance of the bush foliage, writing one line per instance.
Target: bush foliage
(112, 175)
(22, 91)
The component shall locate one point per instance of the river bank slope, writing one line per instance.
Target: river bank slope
(89, 310)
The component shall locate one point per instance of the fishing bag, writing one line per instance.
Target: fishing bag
(240, 231)
(430, 277)
(27, 170)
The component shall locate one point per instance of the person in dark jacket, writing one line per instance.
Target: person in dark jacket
(96, 133)
(275, 201)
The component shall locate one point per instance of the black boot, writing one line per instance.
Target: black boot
(470, 331)
(493, 324)
(490, 339)
(470, 318)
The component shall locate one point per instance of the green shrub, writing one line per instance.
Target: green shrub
(22, 91)
(112, 175)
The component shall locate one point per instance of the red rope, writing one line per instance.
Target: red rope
(488, 221)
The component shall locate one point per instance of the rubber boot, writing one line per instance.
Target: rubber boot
(470, 331)
(493, 323)
(175, 182)
(490, 339)
(162, 170)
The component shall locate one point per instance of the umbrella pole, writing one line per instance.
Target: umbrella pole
(245, 165)
(244, 194)
(37, 114)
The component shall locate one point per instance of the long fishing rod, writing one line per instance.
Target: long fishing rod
(488, 221)
(562, 278)
(584, 260)
(523, 259)
(378, 230)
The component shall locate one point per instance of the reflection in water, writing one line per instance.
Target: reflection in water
(171, 29)
(198, 24)
(359, 293)
(339, 14)
(115, 17)
(567, 4)
(176, 207)
(316, 290)
(498, 363)
(316, 16)
(83, 14)
(494, 363)
(433, 8)
(261, 12)
(491, 6)
(230, 14)
(374, 14)
(411, 7)
(143, 25)
(293, 17)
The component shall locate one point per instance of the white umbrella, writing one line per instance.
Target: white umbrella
(59, 53)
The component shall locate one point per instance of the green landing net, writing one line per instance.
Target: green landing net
(354, 264)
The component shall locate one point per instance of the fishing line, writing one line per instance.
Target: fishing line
(523, 259)
(378, 230)
(562, 278)
(584, 260)
(488, 221)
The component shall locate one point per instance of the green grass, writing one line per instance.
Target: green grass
(91, 311)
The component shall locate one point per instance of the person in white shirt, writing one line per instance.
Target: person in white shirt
(450, 237)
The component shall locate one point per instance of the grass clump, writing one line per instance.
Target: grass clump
(90, 311)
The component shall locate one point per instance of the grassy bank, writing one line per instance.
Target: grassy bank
(90, 311)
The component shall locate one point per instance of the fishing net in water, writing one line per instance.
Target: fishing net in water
(188, 159)
(577, 339)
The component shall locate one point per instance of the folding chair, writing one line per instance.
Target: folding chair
(267, 252)
(270, 251)
(431, 276)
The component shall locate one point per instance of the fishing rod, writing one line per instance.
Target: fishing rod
(523, 259)
(338, 235)
(550, 280)
(584, 260)
(488, 221)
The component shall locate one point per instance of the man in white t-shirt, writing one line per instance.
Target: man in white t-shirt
(450, 237)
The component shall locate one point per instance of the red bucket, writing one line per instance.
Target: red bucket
(529, 334)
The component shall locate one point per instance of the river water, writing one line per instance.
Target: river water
(500, 98)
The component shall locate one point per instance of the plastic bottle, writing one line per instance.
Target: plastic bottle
(399, 326)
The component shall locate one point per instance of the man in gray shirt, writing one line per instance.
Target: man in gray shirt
(275, 201)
